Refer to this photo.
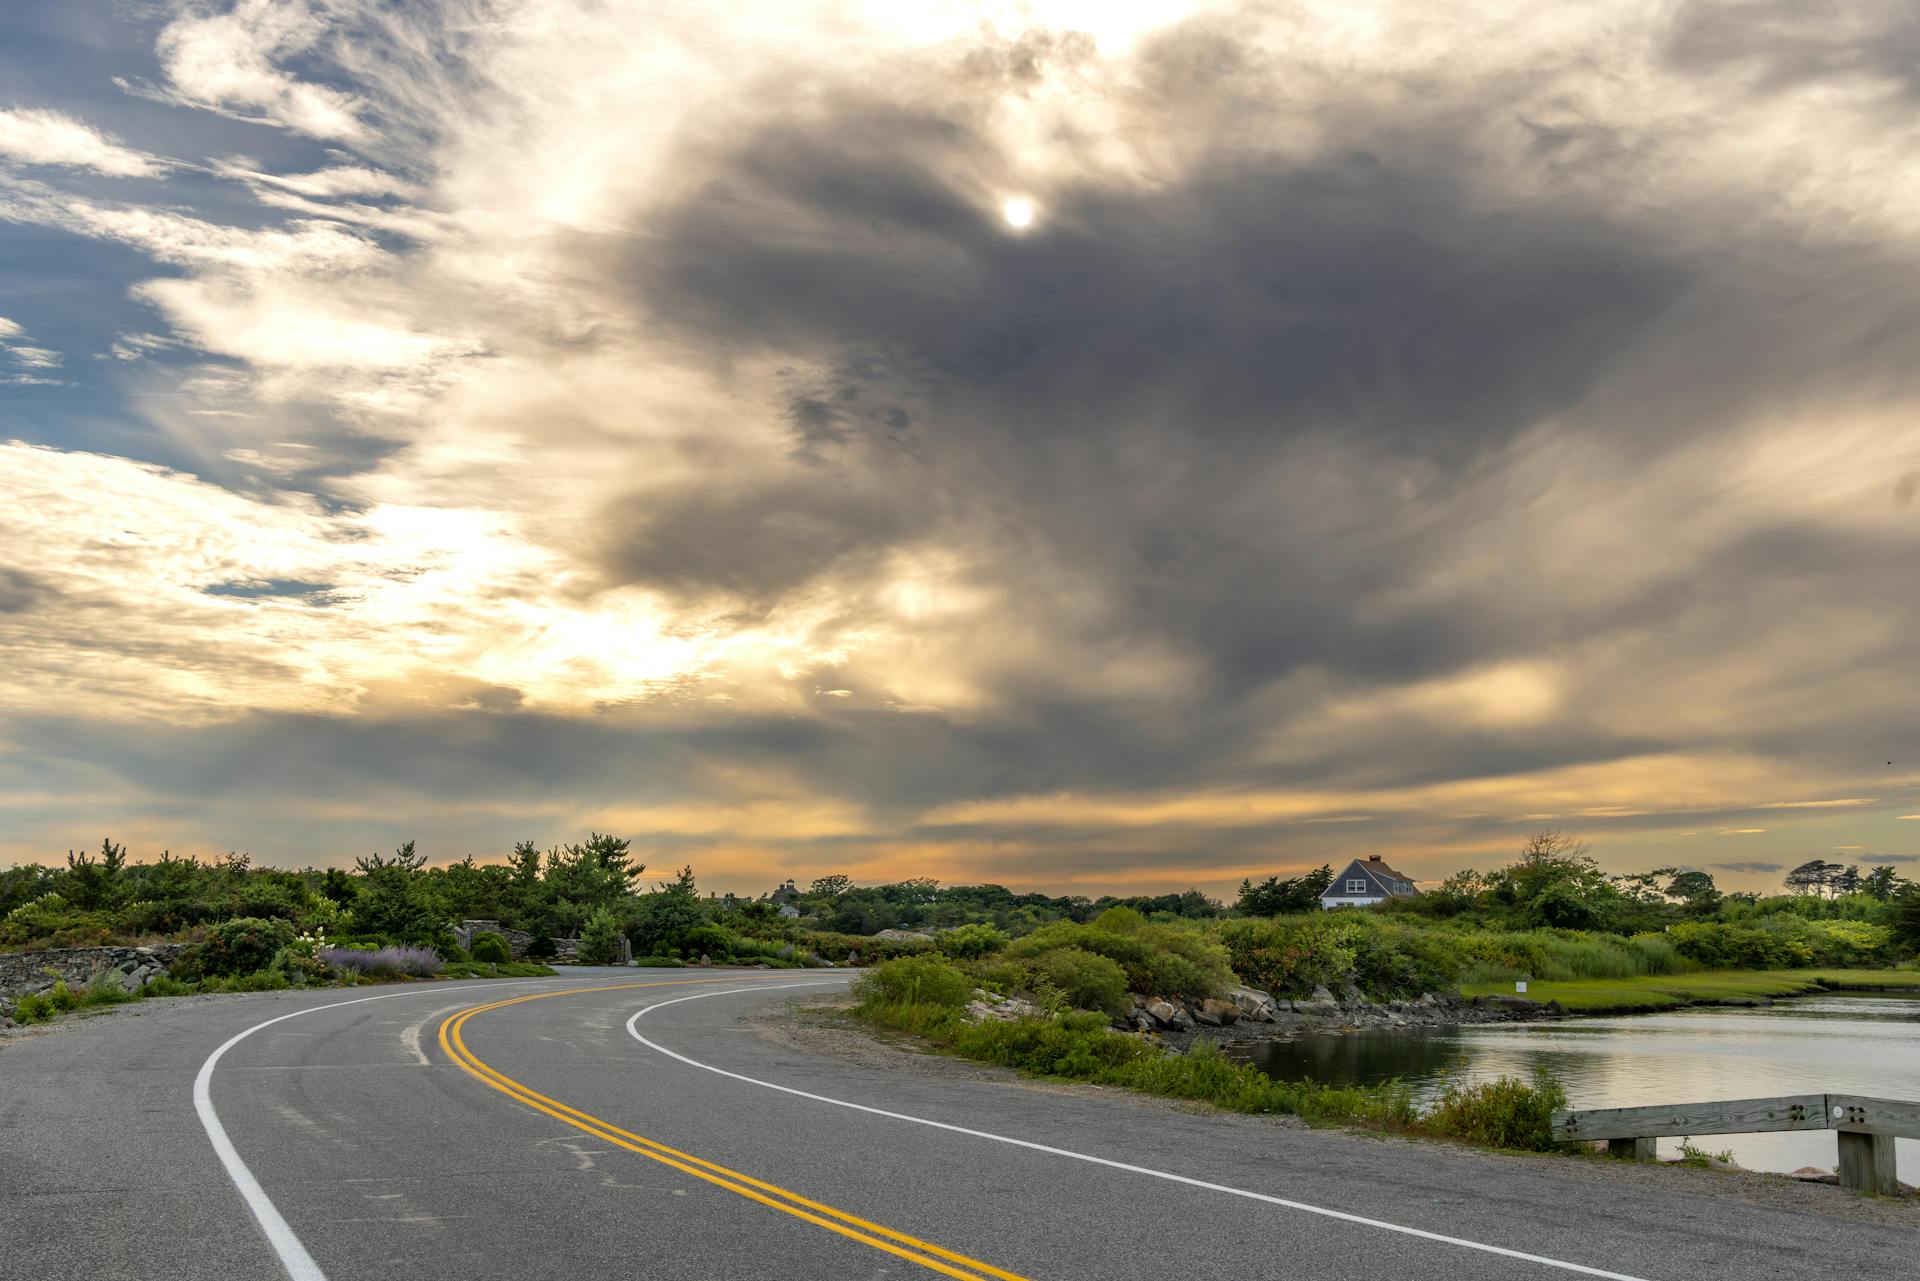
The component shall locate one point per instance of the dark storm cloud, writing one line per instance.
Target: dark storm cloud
(21, 591)
(1139, 385)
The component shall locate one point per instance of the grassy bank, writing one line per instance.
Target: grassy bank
(926, 999)
(1645, 993)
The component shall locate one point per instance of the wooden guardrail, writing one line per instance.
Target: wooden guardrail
(1866, 1128)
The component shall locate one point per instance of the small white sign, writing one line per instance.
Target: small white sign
(1521, 986)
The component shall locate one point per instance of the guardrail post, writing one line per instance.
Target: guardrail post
(1635, 1149)
(1867, 1163)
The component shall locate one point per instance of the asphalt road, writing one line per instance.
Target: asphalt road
(387, 1133)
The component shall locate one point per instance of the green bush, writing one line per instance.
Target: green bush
(236, 947)
(542, 947)
(600, 939)
(660, 962)
(1088, 981)
(706, 940)
(1159, 960)
(970, 942)
(914, 981)
(491, 948)
(1507, 1113)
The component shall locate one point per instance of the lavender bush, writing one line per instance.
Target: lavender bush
(386, 962)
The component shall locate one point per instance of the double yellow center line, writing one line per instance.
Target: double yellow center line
(912, 1249)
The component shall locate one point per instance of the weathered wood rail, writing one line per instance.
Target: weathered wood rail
(1866, 1128)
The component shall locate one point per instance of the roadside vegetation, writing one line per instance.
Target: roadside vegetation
(1551, 918)
(927, 997)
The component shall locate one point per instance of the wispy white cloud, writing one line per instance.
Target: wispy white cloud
(41, 137)
(230, 61)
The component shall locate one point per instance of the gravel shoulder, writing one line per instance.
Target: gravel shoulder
(827, 1029)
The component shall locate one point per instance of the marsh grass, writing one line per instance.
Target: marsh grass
(1666, 992)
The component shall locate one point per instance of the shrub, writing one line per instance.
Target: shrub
(386, 962)
(1088, 981)
(241, 946)
(1507, 1113)
(707, 940)
(258, 981)
(1163, 960)
(542, 947)
(491, 948)
(970, 942)
(660, 962)
(496, 970)
(914, 981)
(38, 1007)
(600, 939)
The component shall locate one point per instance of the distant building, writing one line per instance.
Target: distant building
(1365, 881)
(784, 894)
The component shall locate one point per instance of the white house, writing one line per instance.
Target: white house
(1365, 881)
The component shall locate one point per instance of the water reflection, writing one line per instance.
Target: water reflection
(1843, 1043)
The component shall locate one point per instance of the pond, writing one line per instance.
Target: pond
(1842, 1043)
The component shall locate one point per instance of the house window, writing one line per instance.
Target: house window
(1357, 886)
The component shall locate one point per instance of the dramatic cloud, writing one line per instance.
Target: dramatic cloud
(1111, 446)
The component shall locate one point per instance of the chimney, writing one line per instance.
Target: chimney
(1373, 858)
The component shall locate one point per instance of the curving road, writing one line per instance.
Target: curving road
(627, 1122)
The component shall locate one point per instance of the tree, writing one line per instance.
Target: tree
(1644, 887)
(831, 886)
(1557, 883)
(661, 918)
(1846, 881)
(580, 879)
(1696, 892)
(1275, 897)
(1881, 883)
(1906, 917)
(1815, 876)
(93, 885)
(337, 886)
(396, 902)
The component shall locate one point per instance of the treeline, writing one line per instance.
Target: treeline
(1551, 913)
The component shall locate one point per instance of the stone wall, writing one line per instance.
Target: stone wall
(518, 941)
(22, 973)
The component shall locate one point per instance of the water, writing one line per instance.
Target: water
(1840, 1043)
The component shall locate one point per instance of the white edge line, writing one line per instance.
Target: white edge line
(293, 1255)
(1302, 1206)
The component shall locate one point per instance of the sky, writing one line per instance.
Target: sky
(1092, 447)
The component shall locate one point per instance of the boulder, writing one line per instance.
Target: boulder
(1217, 1013)
(1163, 1012)
(1255, 1006)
